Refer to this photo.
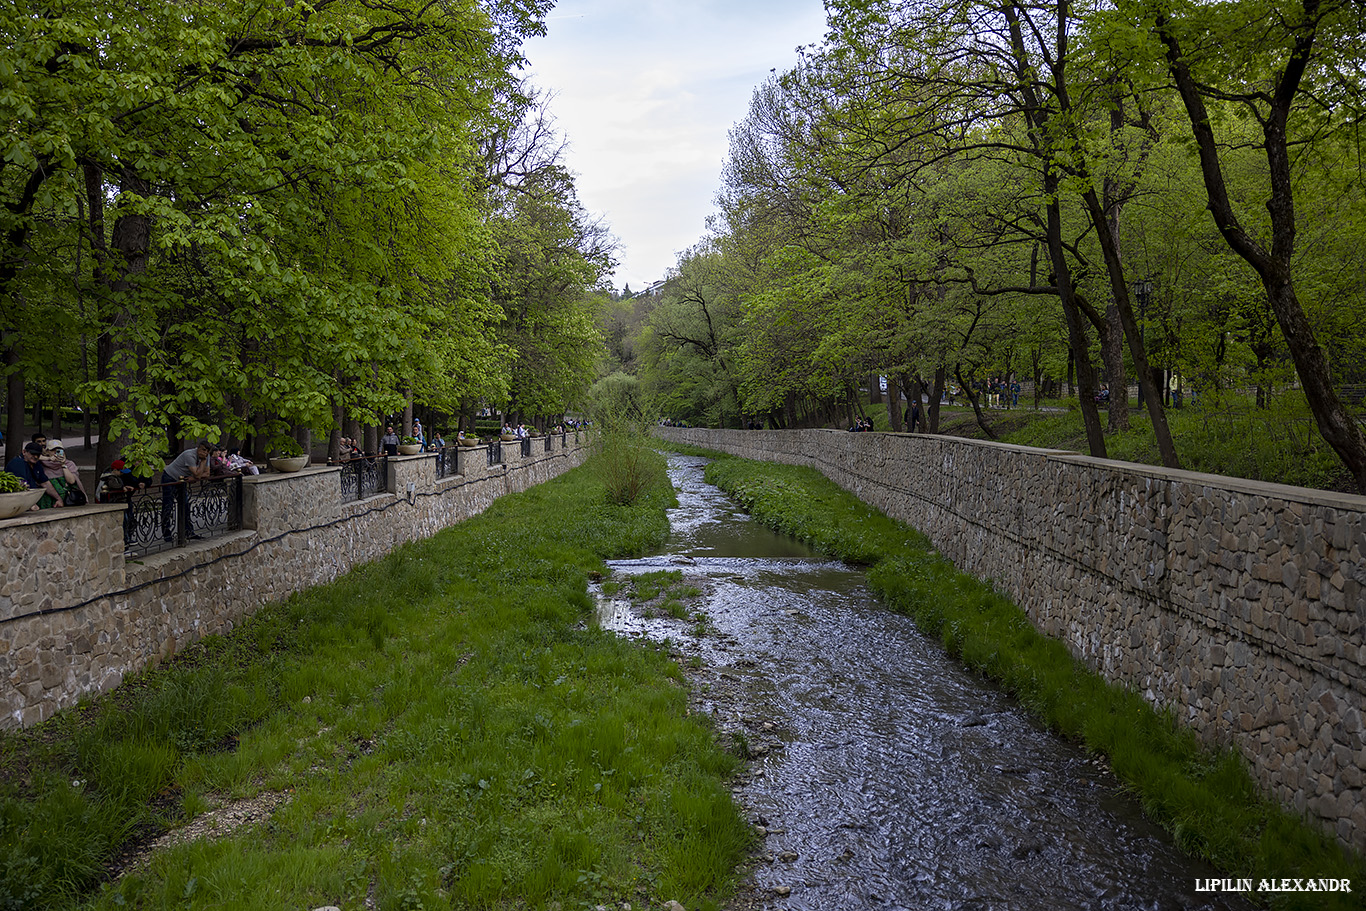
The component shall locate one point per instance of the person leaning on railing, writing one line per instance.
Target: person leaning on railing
(190, 465)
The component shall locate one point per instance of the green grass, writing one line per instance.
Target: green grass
(1224, 435)
(1208, 801)
(663, 590)
(449, 727)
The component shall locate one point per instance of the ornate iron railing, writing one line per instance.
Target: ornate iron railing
(364, 477)
(447, 461)
(165, 516)
(526, 446)
(495, 452)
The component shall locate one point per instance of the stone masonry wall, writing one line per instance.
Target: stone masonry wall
(75, 618)
(1240, 605)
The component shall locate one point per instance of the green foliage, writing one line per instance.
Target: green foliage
(11, 483)
(1223, 434)
(689, 338)
(448, 727)
(1208, 801)
(623, 452)
(626, 463)
(268, 216)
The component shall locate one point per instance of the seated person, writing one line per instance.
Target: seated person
(218, 462)
(29, 467)
(437, 443)
(58, 466)
(238, 462)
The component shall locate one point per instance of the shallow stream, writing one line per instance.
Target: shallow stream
(884, 774)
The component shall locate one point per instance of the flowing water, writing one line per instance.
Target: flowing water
(884, 774)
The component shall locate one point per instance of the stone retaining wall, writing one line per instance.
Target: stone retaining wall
(1240, 605)
(75, 618)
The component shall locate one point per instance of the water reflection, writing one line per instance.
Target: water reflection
(888, 776)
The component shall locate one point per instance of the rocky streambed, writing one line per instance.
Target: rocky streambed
(882, 774)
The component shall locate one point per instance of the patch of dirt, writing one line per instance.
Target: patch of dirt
(222, 819)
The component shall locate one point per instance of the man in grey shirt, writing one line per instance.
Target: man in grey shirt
(190, 465)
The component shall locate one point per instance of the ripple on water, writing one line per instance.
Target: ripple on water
(903, 780)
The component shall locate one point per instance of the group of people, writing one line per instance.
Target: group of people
(43, 465)
(217, 461)
(1000, 393)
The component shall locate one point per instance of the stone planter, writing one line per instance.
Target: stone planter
(291, 463)
(14, 504)
(508, 438)
(469, 441)
(409, 448)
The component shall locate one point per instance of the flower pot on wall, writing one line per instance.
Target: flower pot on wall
(292, 463)
(409, 448)
(13, 504)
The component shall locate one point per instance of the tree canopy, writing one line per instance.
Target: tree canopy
(229, 219)
(962, 192)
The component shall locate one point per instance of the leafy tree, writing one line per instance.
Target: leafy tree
(261, 216)
(1296, 74)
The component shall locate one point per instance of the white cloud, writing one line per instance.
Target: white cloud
(646, 94)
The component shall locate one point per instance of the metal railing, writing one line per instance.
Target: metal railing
(160, 517)
(495, 452)
(364, 477)
(526, 445)
(447, 461)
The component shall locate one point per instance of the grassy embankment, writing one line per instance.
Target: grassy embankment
(1207, 801)
(1228, 437)
(448, 726)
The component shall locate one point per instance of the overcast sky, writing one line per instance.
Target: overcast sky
(646, 92)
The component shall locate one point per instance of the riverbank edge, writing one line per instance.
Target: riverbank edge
(1207, 801)
(297, 737)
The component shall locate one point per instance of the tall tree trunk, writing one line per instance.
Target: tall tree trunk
(875, 389)
(1076, 329)
(894, 404)
(1274, 265)
(126, 258)
(940, 377)
(1119, 291)
(338, 421)
(1112, 350)
(14, 399)
(976, 402)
